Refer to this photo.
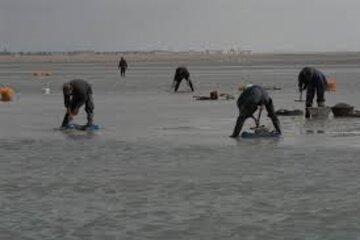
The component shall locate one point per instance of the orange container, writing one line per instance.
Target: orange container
(331, 85)
(7, 94)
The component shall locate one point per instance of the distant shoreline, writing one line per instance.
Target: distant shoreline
(247, 58)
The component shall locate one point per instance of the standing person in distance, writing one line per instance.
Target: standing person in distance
(122, 66)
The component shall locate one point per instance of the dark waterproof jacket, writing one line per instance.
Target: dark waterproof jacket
(253, 96)
(123, 63)
(80, 93)
(181, 73)
(314, 81)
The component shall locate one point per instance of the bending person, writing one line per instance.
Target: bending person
(76, 94)
(180, 74)
(314, 82)
(252, 97)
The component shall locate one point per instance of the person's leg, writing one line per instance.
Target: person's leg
(190, 84)
(272, 115)
(74, 109)
(66, 120)
(238, 126)
(177, 84)
(245, 112)
(257, 120)
(320, 92)
(89, 109)
(310, 93)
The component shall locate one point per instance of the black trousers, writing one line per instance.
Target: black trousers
(315, 88)
(177, 84)
(122, 71)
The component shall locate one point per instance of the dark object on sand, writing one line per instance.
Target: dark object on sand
(215, 96)
(202, 98)
(267, 88)
(342, 110)
(272, 88)
(261, 132)
(285, 112)
(42, 73)
(91, 128)
(315, 131)
(263, 135)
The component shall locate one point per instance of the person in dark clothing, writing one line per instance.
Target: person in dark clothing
(253, 97)
(313, 81)
(180, 74)
(77, 93)
(122, 66)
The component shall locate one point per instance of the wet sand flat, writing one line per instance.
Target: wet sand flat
(163, 166)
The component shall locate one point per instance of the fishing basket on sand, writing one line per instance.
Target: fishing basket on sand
(331, 85)
(342, 110)
(6, 94)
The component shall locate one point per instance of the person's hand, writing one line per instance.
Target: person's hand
(74, 112)
(68, 111)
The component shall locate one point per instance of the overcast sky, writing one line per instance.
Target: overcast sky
(259, 25)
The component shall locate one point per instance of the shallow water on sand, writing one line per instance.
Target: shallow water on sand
(163, 166)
